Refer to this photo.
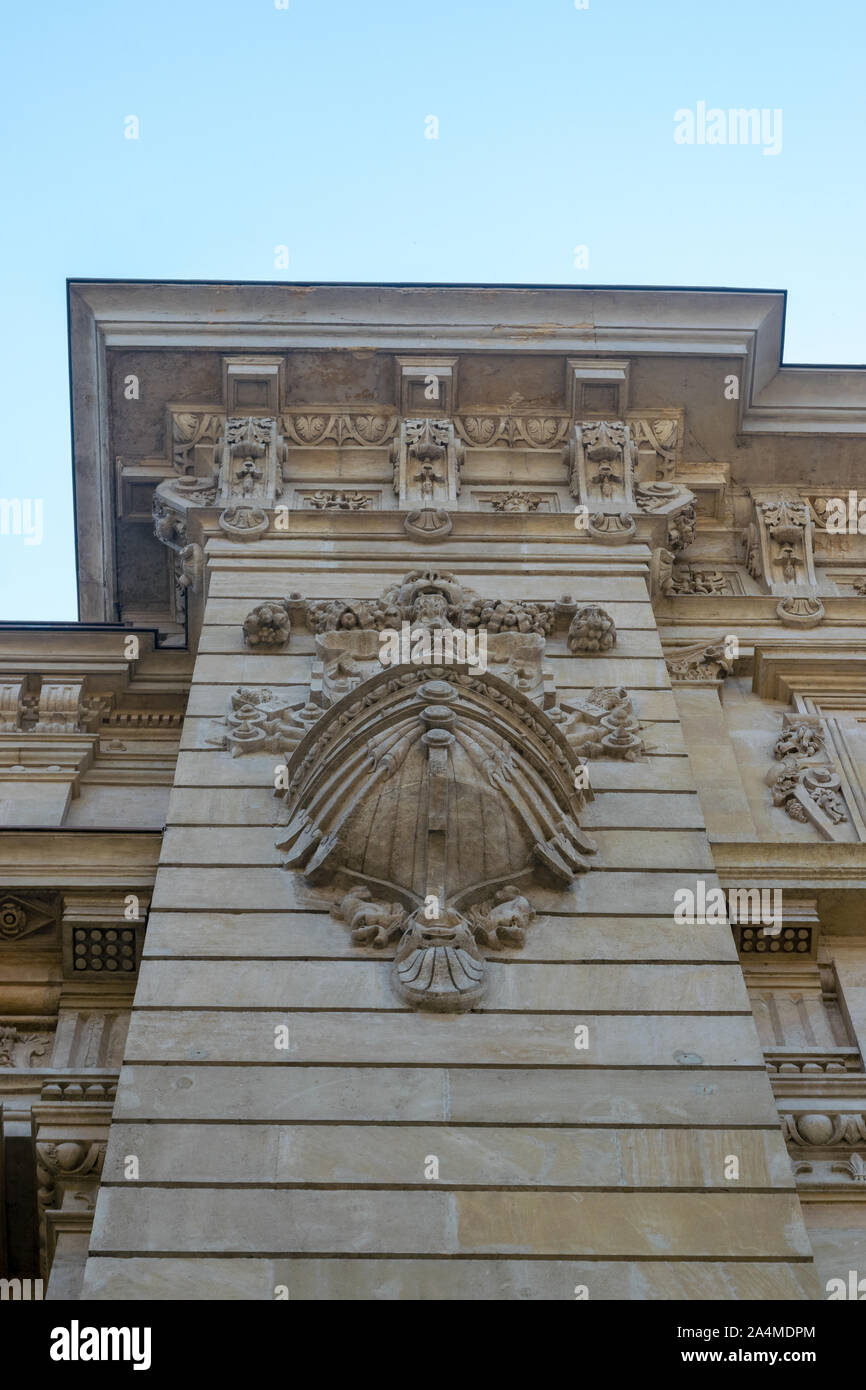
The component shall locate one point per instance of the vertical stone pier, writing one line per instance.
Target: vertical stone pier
(296, 1129)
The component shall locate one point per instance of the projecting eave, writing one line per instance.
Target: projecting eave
(744, 326)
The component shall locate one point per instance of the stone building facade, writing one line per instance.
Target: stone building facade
(435, 865)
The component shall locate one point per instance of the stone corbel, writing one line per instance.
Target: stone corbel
(250, 455)
(601, 462)
(778, 544)
(69, 1143)
(427, 456)
(804, 780)
(11, 703)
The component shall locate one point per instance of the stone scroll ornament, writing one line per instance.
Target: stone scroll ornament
(803, 779)
(437, 798)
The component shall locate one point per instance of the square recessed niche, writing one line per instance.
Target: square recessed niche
(426, 386)
(253, 385)
(597, 386)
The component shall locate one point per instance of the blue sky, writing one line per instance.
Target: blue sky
(305, 127)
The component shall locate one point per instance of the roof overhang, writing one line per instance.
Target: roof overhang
(746, 326)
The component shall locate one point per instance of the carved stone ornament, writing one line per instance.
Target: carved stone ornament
(662, 573)
(440, 796)
(515, 501)
(778, 543)
(339, 501)
(800, 612)
(21, 917)
(615, 480)
(427, 457)
(681, 530)
(668, 579)
(428, 524)
(603, 725)
(803, 779)
(58, 1163)
(825, 1130)
(431, 791)
(601, 466)
(20, 1049)
(269, 625)
(592, 630)
(702, 662)
(243, 523)
(610, 528)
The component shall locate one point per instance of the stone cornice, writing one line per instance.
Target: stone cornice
(277, 316)
(759, 863)
(98, 858)
(742, 327)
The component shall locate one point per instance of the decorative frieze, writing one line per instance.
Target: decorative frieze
(513, 431)
(322, 501)
(338, 430)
